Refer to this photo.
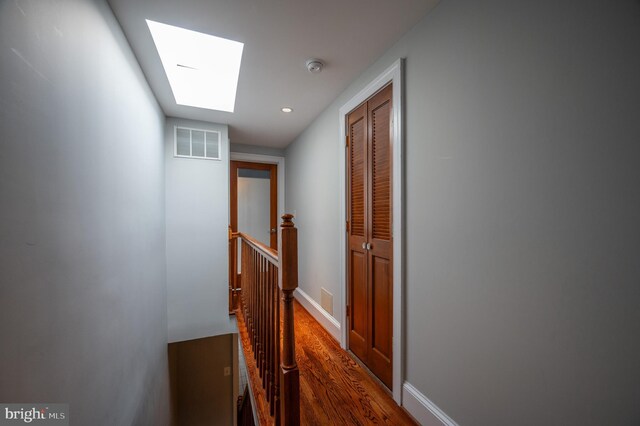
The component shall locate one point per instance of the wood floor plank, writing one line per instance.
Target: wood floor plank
(334, 388)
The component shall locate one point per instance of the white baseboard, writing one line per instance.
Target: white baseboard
(422, 409)
(327, 321)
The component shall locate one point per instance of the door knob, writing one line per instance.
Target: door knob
(272, 230)
(364, 246)
(369, 246)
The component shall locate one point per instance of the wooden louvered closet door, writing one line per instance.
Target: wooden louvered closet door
(370, 241)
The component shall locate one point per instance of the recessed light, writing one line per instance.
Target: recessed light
(202, 69)
(287, 109)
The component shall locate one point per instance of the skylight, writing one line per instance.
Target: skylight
(202, 69)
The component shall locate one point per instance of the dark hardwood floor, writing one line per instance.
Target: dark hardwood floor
(334, 388)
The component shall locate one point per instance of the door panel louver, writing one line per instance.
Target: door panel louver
(358, 163)
(381, 190)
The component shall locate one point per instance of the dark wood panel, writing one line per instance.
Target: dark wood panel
(380, 254)
(380, 113)
(357, 167)
(200, 394)
(358, 330)
(382, 319)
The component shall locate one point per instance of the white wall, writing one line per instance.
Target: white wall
(257, 149)
(254, 208)
(197, 219)
(312, 184)
(522, 206)
(82, 277)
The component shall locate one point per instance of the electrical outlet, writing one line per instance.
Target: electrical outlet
(227, 371)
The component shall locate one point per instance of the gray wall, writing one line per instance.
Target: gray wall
(522, 206)
(82, 281)
(197, 219)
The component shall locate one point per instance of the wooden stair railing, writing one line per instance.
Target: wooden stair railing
(269, 279)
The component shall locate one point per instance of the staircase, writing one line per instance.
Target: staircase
(266, 324)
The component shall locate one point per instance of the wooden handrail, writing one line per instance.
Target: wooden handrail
(269, 278)
(270, 254)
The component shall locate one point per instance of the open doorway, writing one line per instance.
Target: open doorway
(255, 200)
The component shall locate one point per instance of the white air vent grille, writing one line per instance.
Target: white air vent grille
(196, 143)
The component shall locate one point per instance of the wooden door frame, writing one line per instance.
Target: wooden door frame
(393, 74)
(255, 158)
(273, 200)
(266, 159)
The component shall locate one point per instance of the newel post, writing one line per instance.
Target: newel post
(289, 375)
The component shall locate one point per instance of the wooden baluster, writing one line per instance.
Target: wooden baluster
(243, 269)
(248, 278)
(240, 298)
(247, 308)
(274, 335)
(263, 302)
(249, 290)
(265, 328)
(258, 322)
(262, 324)
(250, 294)
(290, 376)
(269, 331)
(250, 298)
(259, 314)
(253, 300)
(272, 367)
(276, 371)
(276, 342)
(247, 256)
(267, 303)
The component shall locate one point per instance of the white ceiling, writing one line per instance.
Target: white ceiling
(279, 36)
